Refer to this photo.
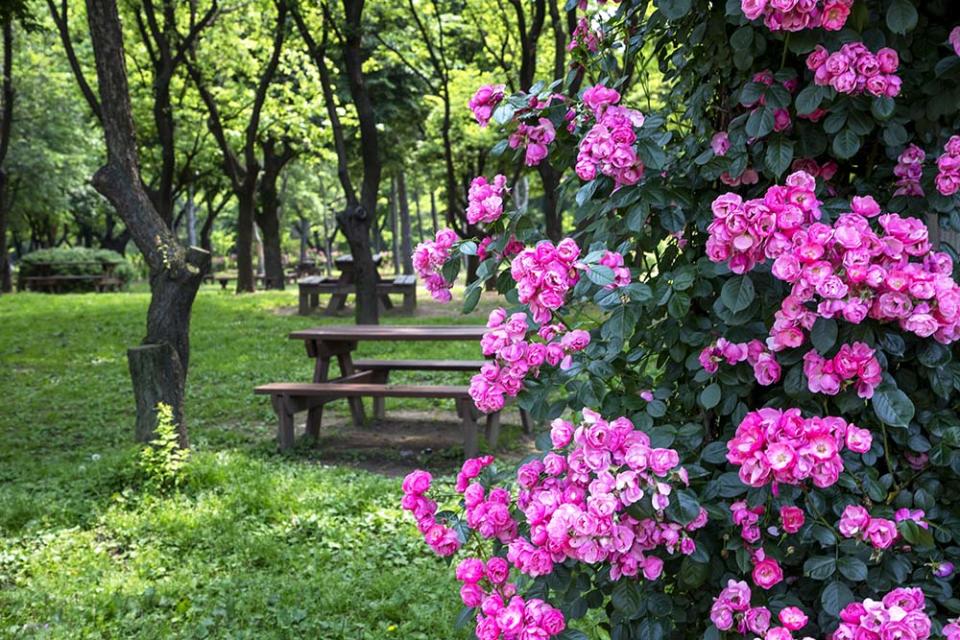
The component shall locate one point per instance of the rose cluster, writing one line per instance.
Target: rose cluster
(826, 171)
(900, 614)
(485, 199)
(854, 69)
(744, 233)
(442, 539)
(516, 356)
(781, 116)
(851, 271)
(512, 248)
(766, 369)
(948, 165)
(772, 445)
(854, 362)
(909, 170)
(575, 501)
(621, 274)
(484, 101)
(428, 259)
(584, 37)
(607, 148)
(534, 139)
(855, 522)
(544, 275)
(796, 15)
(732, 610)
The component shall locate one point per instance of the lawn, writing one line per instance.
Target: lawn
(255, 545)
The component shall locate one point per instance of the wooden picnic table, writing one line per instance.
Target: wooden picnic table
(368, 378)
(345, 284)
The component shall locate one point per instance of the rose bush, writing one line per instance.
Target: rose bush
(757, 286)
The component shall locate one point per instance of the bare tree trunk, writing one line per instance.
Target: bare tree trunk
(416, 207)
(406, 242)
(550, 178)
(6, 124)
(159, 367)
(269, 223)
(246, 201)
(433, 211)
(394, 227)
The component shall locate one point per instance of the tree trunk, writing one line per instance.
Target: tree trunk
(394, 227)
(6, 279)
(246, 201)
(269, 223)
(356, 227)
(416, 207)
(175, 272)
(552, 216)
(406, 242)
(6, 126)
(433, 211)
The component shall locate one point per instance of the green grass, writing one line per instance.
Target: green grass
(256, 545)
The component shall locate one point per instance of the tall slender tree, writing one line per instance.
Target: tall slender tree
(358, 217)
(7, 17)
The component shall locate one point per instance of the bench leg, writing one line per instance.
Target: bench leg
(410, 301)
(314, 300)
(380, 404)
(465, 409)
(493, 429)
(356, 404)
(304, 303)
(285, 432)
(526, 422)
(314, 418)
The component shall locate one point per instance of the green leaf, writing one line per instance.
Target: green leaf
(628, 598)
(738, 293)
(679, 305)
(471, 298)
(892, 406)
(601, 275)
(710, 396)
(779, 155)
(882, 107)
(760, 122)
(824, 334)
(684, 506)
(469, 248)
(901, 16)
(808, 99)
(820, 567)
(675, 9)
(465, 616)
(835, 597)
(846, 144)
(915, 534)
(852, 568)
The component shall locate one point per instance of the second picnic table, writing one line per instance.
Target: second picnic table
(346, 283)
(368, 378)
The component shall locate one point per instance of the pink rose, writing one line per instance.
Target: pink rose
(663, 460)
(791, 518)
(793, 618)
(417, 482)
(881, 532)
(858, 440)
(767, 573)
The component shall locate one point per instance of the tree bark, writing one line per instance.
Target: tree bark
(246, 205)
(175, 272)
(394, 225)
(416, 207)
(433, 212)
(406, 241)
(268, 217)
(6, 125)
(357, 218)
(550, 178)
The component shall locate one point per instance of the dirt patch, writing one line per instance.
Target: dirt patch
(407, 440)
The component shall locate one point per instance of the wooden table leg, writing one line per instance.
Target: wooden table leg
(285, 436)
(315, 415)
(380, 404)
(465, 409)
(356, 404)
(493, 429)
(304, 302)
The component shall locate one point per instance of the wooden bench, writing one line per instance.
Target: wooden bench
(55, 283)
(405, 285)
(291, 398)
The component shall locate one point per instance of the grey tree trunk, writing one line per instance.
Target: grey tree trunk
(394, 227)
(406, 242)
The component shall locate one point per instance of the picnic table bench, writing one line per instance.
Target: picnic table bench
(46, 278)
(368, 378)
(312, 286)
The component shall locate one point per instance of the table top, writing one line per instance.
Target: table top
(347, 259)
(391, 332)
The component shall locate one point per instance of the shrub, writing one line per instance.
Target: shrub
(75, 261)
(163, 461)
(768, 404)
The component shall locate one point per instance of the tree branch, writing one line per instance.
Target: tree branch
(63, 27)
